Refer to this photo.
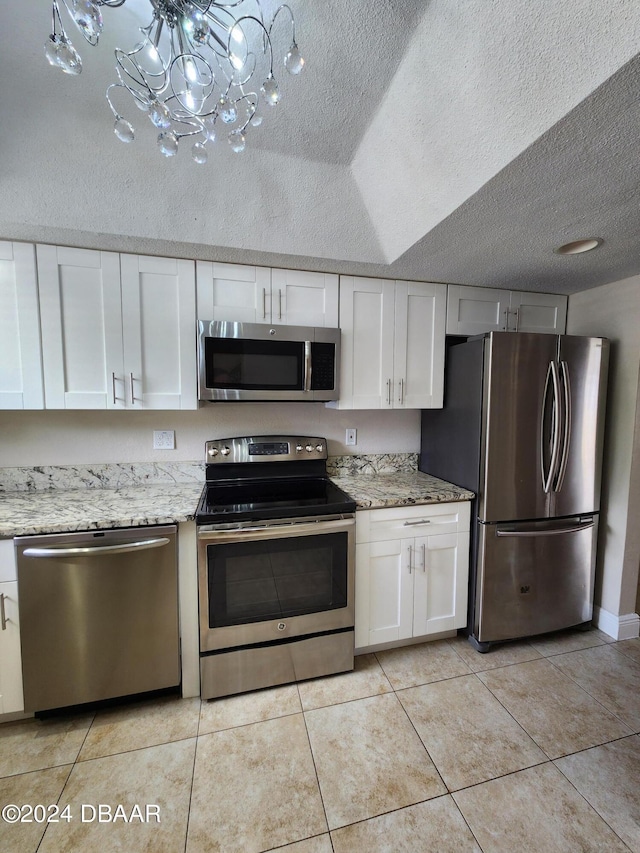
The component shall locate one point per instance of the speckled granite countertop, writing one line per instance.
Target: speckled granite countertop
(400, 488)
(62, 510)
(125, 496)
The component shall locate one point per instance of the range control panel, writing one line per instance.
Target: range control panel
(265, 448)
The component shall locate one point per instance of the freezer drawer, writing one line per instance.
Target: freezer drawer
(534, 577)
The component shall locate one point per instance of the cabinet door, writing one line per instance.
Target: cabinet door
(301, 298)
(418, 362)
(159, 332)
(440, 587)
(233, 293)
(387, 591)
(367, 324)
(20, 354)
(11, 697)
(475, 310)
(80, 312)
(538, 312)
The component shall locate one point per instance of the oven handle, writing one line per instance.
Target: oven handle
(278, 530)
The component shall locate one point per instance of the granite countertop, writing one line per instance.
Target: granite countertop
(400, 488)
(65, 510)
(122, 497)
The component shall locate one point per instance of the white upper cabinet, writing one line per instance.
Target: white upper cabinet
(418, 355)
(476, 310)
(117, 331)
(81, 319)
(392, 344)
(244, 294)
(159, 332)
(300, 298)
(538, 312)
(234, 293)
(20, 353)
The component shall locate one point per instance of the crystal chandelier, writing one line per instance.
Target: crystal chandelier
(194, 72)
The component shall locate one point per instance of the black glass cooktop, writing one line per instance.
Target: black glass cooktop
(278, 498)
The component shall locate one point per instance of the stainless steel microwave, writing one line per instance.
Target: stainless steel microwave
(255, 361)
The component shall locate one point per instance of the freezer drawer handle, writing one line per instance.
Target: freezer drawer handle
(123, 548)
(553, 532)
(414, 523)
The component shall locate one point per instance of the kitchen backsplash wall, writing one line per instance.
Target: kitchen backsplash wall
(119, 475)
(60, 438)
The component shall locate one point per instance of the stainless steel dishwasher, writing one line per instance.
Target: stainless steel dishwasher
(98, 615)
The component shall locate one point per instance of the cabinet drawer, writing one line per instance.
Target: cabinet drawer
(377, 525)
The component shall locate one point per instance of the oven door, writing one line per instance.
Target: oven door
(260, 582)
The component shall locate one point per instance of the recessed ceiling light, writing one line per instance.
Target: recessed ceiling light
(579, 246)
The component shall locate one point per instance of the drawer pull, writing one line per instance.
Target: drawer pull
(414, 523)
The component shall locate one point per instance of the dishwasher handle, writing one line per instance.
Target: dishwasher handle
(123, 548)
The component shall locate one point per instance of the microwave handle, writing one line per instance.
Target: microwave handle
(307, 366)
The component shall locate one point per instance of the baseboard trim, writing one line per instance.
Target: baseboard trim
(625, 627)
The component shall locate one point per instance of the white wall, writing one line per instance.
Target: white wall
(67, 438)
(613, 310)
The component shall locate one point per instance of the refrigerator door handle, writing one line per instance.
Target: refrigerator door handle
(573, 528)
(547, 479)
(566, 426)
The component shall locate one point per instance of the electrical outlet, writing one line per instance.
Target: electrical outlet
(164, 439)
(351, 436)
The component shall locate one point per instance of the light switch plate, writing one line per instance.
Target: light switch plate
(164, 439)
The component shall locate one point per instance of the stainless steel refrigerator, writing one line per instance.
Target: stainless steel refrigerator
(522, 427)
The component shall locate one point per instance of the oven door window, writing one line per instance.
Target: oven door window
(256, 581)
(252, 365)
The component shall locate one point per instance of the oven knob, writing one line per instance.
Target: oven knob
(225, 451)
(299, 448)
(213, 451)
(319, 448)
(309, 448)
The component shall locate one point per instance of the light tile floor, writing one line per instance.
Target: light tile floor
(532, 747)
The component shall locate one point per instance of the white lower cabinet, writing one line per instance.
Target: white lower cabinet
(412, 566)
(11, 697)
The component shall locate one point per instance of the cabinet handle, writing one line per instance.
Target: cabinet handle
(131, 386)
(420, 521)
(280, 305)
(388, 392)
(505, 326)
(409, 549)
(264, 303)
(113, 386)
(401, 391)
(424, 558)
(517, 319)
(3, 616)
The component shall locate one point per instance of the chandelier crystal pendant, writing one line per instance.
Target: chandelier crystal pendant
(201, 68)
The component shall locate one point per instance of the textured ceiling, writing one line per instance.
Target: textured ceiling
(444, 141)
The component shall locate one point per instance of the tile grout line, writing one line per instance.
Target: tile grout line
(315, 768)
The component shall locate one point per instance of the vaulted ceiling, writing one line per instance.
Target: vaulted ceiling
(426, 139)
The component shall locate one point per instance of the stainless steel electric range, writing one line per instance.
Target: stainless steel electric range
(276, 563)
